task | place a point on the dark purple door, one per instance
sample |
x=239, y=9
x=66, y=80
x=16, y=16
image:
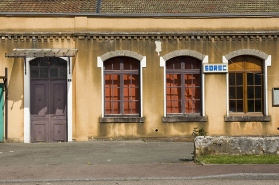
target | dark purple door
x=48, y=100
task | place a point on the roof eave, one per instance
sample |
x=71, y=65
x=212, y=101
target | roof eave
x=209, y=15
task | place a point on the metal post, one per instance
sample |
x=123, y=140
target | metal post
x=6, y=103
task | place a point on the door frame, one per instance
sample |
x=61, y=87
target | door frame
x=27, y=100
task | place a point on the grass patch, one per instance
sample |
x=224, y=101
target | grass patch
x=240, y=159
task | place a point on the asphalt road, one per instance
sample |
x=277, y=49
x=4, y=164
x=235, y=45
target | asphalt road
x=160, y=182
x=118, y=162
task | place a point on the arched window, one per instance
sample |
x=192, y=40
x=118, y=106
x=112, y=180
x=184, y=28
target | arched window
x=246, y=85
x=122, y=87
x=183, y=86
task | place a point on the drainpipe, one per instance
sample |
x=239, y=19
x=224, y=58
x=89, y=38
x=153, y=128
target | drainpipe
x=6, y=103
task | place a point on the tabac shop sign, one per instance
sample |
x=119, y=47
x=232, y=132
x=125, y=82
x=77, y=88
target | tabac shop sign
x=215, y=68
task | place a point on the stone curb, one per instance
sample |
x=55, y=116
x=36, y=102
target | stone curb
x=237, y=176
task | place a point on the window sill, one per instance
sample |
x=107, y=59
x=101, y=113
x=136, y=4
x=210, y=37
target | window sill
x=122, y=120
x=247, y=118
x=188, y=118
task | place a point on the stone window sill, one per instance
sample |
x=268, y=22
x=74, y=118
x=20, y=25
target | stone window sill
x=247, y=118
x=188, y=118
x=122, y=120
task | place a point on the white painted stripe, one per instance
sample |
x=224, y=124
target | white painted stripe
x=27, y=118
x=225, y=61
x=163, y=64
x=266, y=63
x=70, y=100
x=100, y=64
x=142, y=64
x=205, y=61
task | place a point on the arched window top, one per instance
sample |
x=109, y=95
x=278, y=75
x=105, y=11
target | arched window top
x=246, y=63
x=119, y=53
x=48, y=67
x=189, y=53
x=183, y=63
x=121, y=64
x=252, y=52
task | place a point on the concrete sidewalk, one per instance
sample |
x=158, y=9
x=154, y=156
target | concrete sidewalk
x=115, y=160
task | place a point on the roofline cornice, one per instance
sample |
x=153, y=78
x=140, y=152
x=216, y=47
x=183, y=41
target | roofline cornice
x=141, y=36
x=104, y=15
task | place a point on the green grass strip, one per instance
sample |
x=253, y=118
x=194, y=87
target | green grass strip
x=241, y=159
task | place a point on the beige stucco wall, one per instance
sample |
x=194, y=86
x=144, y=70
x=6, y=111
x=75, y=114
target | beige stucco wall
x=87, y=102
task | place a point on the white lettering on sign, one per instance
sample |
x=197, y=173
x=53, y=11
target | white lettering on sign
x=215, y=68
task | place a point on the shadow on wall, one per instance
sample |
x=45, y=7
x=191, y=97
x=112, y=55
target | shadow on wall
x=16, y=83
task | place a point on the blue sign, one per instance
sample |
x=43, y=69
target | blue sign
x=215, y=68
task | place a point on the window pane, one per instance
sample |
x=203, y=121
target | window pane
x=169, y=79
x=258, y=79
x=188, y=63
x=258, y=106
x=127, y=80
x=250, y=92
x=169, y=107
x=196, y=63
x=108, y=81
x=116, y=93
x=168, y=93
x=135, y=80
x=239, y=105
x=177, y=108
x=188, y=93
x=188, y=80
x=177, y=63
x=34, y=62
x=258, y=92
x=62, y=63
x=43, y=61
x=250, y=79
x=169, y=64
x=232, y=106
x=196, y=93
x=54, y=61
x=134, y=64
x=135, y=94
x=116, y=64
x=116, y=107
x=127, y=94
x=239, y=78
x=232, y=78
x=196, y=80
x=177, y=80
x=177, y=93
x=126, y=63
x=127, y=107
x=188, y=106
x=135, y=107
x=108, y=108
x=239, y=91
x=116, y=80
x=232, y=92
x=34, y=73
x=250, y=105
x=43, y=72
x=108, y=65
x=54, y=72
x=63, y=73
x=108, y=93
x=196, y=106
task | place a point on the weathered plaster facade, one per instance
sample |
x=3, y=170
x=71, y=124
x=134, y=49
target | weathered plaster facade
x=135, y=37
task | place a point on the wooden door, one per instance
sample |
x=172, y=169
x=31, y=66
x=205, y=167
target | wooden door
x=48, y=100
x=58, y=110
